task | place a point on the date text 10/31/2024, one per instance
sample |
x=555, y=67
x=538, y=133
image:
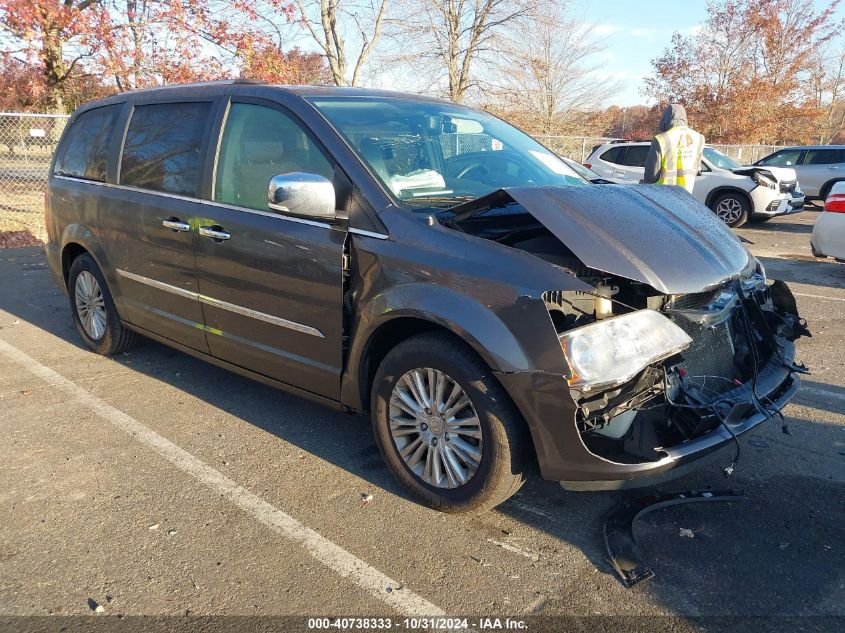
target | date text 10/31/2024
x=417, y=624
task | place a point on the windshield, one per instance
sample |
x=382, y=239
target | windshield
x=439, y=154
x=718, y=159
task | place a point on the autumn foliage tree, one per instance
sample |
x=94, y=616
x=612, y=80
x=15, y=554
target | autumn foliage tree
x=81, y=47
x=295, y=67
x=743, y=77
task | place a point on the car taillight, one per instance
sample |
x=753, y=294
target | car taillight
x=835, y=203
x=587, y=165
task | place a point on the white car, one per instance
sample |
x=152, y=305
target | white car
x=828, y=239
x=734, y=192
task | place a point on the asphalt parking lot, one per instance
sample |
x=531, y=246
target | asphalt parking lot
x=155, y=484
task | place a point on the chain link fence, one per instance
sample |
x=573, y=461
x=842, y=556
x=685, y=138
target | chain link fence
x=27, y=142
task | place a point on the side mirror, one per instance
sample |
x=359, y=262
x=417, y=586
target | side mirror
x=305, y=195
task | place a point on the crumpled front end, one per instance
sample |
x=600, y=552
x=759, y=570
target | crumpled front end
x=736, y=370
x=663, y=369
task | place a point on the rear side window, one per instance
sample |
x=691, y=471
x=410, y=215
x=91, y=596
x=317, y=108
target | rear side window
x=823, y=156
x=613, y=154
x=85, y=150
x=635, y=156
x=783, y=158
x=162, y=147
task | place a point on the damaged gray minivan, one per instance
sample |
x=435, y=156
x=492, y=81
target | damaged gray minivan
x=428, y=264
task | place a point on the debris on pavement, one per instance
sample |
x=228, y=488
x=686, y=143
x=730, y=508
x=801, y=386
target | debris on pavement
x=366, y=497
x=619, y=529
x=686, y=532
x=95, y=606
x=154, y=526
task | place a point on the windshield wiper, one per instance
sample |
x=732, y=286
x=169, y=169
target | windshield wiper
x=449, y=200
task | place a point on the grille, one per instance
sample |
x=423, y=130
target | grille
x=788, y=186
x=773, y=205
x=711, y=352
x=694, y=301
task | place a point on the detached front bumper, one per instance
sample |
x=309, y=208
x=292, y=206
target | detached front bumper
x=549, y=410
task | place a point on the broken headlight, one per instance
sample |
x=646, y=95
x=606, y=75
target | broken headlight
x=611, y=351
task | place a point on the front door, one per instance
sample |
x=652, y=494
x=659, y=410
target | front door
x=271, y=285
x=144, y=220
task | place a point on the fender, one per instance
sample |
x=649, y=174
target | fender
x=513, y=339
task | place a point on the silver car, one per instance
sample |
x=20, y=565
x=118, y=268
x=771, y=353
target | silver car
x=818, y=166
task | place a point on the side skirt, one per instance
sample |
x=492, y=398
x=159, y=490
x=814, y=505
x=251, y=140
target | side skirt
x=246, y=373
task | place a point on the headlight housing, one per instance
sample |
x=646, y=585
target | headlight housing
x=765, y=181
x=611, y=351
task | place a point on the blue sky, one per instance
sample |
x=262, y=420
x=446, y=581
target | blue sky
x=637, y=31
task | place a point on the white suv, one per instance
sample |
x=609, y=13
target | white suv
x=734, y=192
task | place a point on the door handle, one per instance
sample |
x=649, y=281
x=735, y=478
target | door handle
x=175, y=224
x=214, y=232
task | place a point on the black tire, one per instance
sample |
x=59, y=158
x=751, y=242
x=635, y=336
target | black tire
x=115, y=337
x=732, y=208
x=826, y=190
x=506, y=450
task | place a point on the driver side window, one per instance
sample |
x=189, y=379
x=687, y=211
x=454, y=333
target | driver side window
x=258, y=143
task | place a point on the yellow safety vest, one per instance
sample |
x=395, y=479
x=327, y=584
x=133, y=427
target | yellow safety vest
x=680, y=147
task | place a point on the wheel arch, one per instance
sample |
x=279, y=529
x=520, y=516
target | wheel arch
x=825, y=188
x=718, y=191
x=417, y=308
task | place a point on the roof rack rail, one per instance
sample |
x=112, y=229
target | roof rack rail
x=245, y=80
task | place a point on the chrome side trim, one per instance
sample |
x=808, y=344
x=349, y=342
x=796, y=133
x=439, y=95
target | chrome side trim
x=261, y=316
x=160, y=285
x=378, y=236
x=109, y=185
x=224, y=305
x=233, y=207
x=211, y=203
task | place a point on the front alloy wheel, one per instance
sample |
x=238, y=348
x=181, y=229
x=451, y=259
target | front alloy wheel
x=446, y=427
x=731, y=209
x=435, y=428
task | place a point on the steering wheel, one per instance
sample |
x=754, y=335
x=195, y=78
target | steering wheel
x=476, y=165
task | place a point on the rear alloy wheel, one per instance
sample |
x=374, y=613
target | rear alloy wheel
x=731, y=208
x=445, y=426
x=94, y=312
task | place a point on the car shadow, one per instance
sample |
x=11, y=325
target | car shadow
x=805, y=269
x=767, y=555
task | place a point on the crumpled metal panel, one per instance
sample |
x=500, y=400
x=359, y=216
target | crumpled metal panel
x=654, y=234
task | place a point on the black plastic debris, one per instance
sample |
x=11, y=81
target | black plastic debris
x=619, y=528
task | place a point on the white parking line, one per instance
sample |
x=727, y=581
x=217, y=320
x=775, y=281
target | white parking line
x=325, y=551
x=804, y=294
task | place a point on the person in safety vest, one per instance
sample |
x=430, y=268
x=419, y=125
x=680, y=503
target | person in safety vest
x=674, y=157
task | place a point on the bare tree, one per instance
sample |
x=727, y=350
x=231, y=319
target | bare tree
x=827, y=83
x=327, y=21
x=550, y=74
x=457, y=40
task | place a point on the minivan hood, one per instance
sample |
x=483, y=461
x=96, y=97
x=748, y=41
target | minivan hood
x=653, y=234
